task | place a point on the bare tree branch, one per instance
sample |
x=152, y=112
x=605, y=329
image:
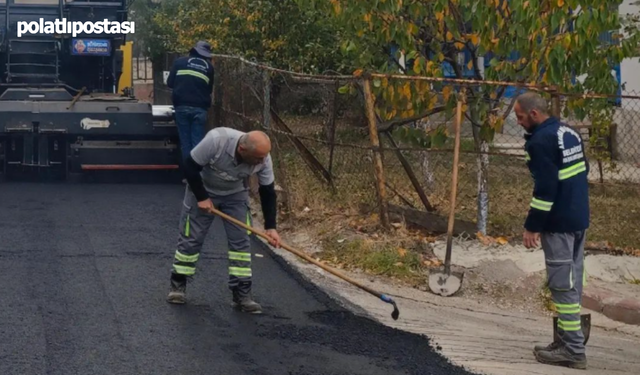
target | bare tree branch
x=389, y=126
x=510, y=108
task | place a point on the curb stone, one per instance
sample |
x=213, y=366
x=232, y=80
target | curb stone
x=613, y=305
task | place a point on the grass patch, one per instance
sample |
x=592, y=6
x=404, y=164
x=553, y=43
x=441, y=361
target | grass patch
x=546, y=298
x=381, y=259
x=510, y=186
x=633, y=280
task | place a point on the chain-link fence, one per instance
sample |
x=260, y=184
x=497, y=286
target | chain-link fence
x=325, y=154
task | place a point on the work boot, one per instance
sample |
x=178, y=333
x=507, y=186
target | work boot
x=242, y=299
x=177, y=294
x=553, y=346
x=557, y=341
x=561, y=356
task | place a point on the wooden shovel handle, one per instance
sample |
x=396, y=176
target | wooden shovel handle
x=454, y=181
x=300, y=254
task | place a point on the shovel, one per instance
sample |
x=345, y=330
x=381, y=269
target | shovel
x=446, y=283
x=384, y=297
x=585, y=324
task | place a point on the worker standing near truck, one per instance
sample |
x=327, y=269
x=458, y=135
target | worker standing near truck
x=217, y=171
x=191, y=78
x=558, y=217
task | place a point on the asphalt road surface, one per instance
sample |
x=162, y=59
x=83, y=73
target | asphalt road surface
x=84, y=273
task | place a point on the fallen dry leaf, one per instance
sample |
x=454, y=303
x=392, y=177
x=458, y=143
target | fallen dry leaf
x=432, y=262
x=485, y=240
x=402, y=252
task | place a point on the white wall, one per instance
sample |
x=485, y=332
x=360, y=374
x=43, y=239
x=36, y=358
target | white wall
x=630, y=73
x=627, y=7
x=630, y=68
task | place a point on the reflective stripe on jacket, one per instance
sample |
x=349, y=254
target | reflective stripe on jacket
x=556, y=158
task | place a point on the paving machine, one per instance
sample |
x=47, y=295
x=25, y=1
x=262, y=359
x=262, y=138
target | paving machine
x=66, y=101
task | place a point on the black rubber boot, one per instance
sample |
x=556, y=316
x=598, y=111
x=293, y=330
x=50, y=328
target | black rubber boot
x=177, y=294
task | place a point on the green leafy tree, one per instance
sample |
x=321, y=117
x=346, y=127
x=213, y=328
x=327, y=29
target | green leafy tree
x=149, y=39
x=555, y=41
x=279, y=33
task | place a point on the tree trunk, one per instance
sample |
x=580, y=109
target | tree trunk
x=483, y=175
x=425, y=162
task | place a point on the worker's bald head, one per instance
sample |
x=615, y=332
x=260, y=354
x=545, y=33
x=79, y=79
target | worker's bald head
x=254, y=147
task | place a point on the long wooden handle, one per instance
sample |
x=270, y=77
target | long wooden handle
x=454, y=183
x=299, y=253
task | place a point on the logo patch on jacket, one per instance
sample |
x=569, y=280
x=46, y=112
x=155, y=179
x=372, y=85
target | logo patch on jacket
x=570, y=143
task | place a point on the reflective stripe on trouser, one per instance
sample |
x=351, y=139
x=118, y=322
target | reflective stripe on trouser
x=194, y=226
x=564, y=256
x=239, y=245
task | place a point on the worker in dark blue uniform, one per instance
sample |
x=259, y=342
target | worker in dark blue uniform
x=191, y=79
x=558, y=218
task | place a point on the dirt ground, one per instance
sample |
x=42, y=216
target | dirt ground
x=490, y=327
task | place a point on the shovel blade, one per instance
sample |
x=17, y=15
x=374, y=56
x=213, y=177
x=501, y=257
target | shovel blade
x=585, y=324
x=445, y=284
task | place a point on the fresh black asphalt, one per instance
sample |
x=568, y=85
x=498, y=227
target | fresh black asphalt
x=84, y=273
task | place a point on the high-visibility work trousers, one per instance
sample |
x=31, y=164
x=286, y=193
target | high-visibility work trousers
x=564, y=257
x=194, y=226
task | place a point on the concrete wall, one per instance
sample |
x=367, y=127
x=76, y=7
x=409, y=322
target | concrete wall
x=143, y=91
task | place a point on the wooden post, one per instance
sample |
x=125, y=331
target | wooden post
x=375, y=142
x=266, y=100
x=555, y=103
x=454, y=180
x=331, y=126
x=410, y=174
x=266, y=122
x=217, y=93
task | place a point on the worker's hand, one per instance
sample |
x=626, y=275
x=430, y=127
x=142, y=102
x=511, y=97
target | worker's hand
x=530, y=239
x=206, y=205
x=274, y=236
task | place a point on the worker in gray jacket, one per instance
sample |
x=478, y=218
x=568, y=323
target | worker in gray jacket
x=217, y=172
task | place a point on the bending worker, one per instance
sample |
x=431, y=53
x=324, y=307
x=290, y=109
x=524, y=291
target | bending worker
x=217, y=172
x=559, y=218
